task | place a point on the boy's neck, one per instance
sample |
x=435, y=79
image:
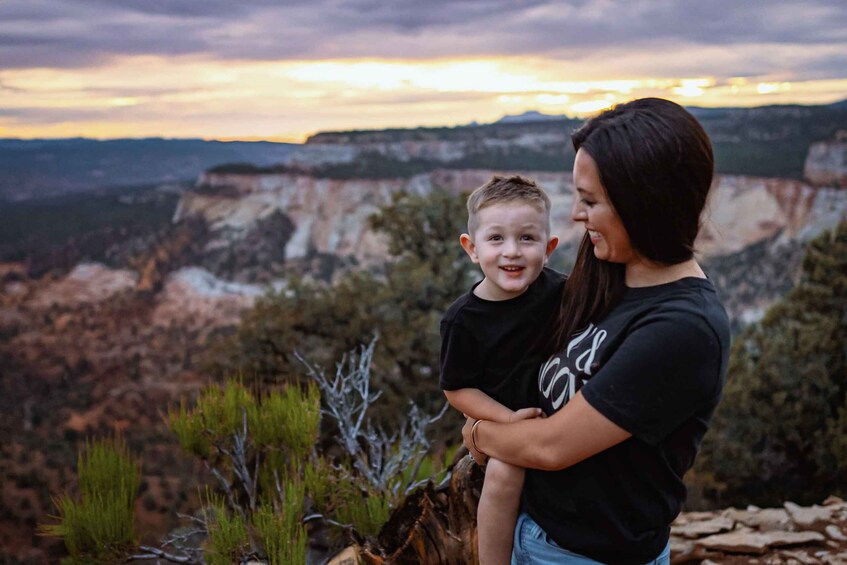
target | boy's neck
x=488, y=291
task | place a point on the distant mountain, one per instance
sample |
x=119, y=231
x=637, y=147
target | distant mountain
x=49, y=167
x=766, y=141
x=530, y=116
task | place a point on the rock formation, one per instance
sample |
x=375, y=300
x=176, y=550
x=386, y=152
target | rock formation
x=330, y=215
x=826, y=164
x=434, y=145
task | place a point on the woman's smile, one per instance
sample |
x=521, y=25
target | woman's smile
x=593, y=207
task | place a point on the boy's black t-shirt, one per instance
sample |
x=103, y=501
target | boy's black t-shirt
x=655, y=366
x=498, y=346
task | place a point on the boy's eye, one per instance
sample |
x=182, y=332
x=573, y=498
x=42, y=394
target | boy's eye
x=528, y=237
x=494, y=237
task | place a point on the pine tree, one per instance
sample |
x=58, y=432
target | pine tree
x=779, y=433
x=403, y=304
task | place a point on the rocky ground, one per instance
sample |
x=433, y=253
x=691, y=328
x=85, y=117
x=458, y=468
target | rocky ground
x=791, y=535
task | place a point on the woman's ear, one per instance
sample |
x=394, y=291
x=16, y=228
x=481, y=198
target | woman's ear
x=469, y=247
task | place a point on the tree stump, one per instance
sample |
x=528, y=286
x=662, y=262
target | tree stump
x=432, y=526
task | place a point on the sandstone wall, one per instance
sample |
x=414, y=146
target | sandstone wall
x=330, y=215
x=826, y=163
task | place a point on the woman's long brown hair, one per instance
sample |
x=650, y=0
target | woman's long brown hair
x=656, y=164
x=591, y=290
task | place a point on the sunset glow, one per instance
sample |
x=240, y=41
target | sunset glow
x=241, y=78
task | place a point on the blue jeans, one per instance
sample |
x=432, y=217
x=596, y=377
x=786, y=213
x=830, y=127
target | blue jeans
x=534, y=547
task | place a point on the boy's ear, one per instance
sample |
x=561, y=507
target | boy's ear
x=552, y=244
x=469, y=247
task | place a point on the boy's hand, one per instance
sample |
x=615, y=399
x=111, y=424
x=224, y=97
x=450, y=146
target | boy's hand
x=525, y=414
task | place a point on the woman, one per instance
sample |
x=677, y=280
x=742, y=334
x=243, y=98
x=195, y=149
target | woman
x=641, y=350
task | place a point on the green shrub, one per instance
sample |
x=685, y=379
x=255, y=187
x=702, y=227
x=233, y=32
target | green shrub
x=365, y=510
x=318, y=477
x=263, y=450
x=432, y=467
x=427, y=271
x=228, y=539
x=779, y=431
x=281, y=531
x=289, y=419
x=97, y=526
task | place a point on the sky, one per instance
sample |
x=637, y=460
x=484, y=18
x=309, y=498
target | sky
x=285, y=69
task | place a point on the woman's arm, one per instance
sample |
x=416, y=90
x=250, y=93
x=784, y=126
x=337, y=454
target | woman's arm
x=574, y=433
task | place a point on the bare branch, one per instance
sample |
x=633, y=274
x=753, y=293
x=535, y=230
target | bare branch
x=379, y=457
x=192, y=518
x=155, y=553
x=348, y=395
x=183, y=537
x=226, y=488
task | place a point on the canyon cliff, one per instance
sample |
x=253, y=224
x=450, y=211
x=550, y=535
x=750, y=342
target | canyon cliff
x=766, y=220
x=826, y=164
x=99, y=348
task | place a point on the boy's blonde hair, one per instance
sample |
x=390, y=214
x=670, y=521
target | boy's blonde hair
x=500, y=190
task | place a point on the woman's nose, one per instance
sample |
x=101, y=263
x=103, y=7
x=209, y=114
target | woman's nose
x=578, y=213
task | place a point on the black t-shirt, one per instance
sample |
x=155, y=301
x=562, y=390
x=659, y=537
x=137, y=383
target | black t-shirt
x=655, y=366
x=498, y=345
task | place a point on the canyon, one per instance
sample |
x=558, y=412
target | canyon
x=99, y=348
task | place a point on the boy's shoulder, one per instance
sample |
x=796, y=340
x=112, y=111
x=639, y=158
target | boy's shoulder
x=455, y=309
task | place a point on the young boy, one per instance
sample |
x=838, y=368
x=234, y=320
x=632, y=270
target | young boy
x=492, y=337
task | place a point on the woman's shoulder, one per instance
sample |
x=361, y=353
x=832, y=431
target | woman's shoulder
x=684, y=302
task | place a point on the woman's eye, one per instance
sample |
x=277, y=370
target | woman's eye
x=588, y=203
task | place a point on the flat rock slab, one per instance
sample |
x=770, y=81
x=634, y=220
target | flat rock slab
x=808, y=515
x=757, y=542
x=835, y=532
x=762, y=519
x=694, y=530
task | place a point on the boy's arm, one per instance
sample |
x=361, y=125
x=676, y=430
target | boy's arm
x=478, y=405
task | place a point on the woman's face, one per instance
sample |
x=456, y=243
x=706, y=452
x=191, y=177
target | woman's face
x=593, y=207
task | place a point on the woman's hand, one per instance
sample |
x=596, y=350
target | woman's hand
x=574, y=433
x=467, y=430
x=479, y=457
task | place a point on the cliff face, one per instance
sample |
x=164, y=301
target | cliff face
x=330, y=215
x=436, y=146
x=826, y=164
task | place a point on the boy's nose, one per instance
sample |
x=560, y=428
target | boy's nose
x=511, y=249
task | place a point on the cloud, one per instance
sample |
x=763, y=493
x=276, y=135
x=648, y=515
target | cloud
x=287, y=68
x=78, y=33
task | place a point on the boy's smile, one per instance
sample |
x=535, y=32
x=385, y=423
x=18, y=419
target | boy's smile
x=511, y=245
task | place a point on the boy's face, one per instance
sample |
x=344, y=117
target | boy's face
x=511, y=245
